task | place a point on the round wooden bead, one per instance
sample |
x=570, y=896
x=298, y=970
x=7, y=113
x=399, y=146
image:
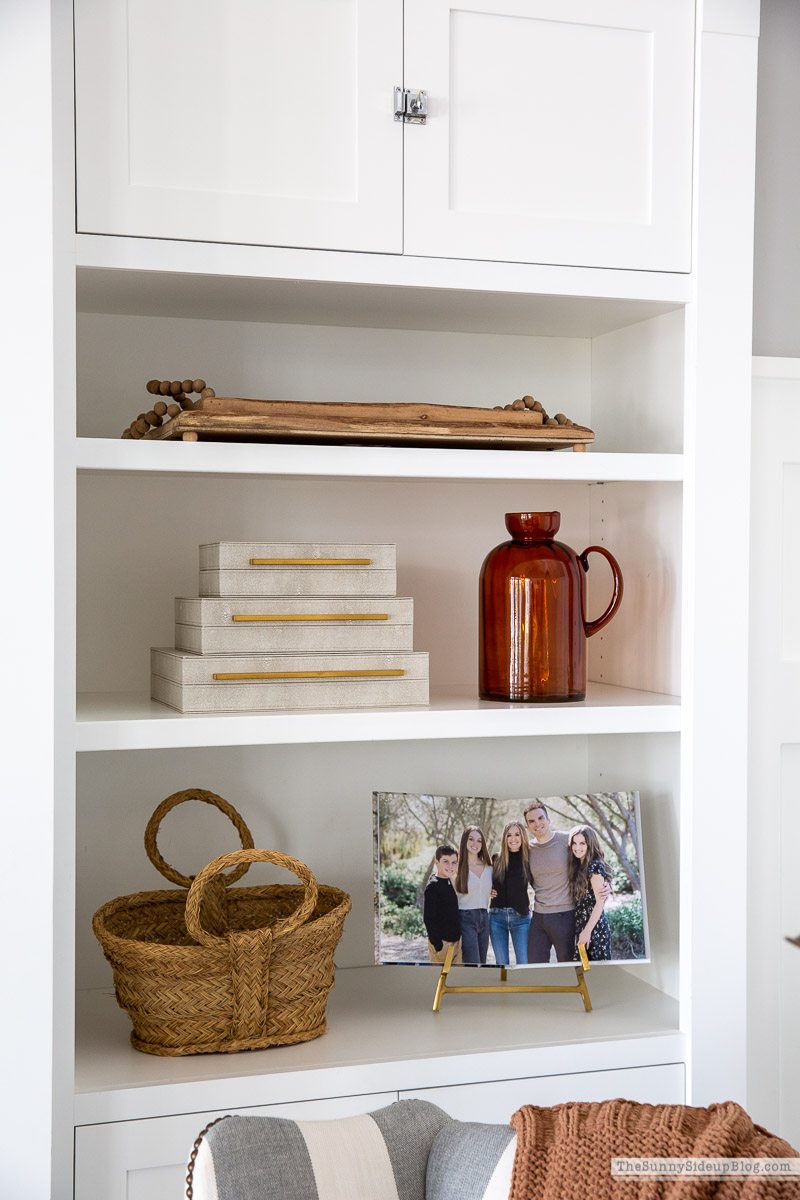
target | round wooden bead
x=197, y=385
x=154, y=387
x=141, y=425
x=551, y=421
x=152, y=418
x=562, y=420
x=179, y=398
x=164, y=387
x=186, y=402
x=159, y=408
x=518, y=405
x=134, y=433
x=175, y=387
x=174, y=409
x=497, y=408
x=537, y=407
x=528, y=401
x=127, y=434
x=187, y=385
x=207, y=394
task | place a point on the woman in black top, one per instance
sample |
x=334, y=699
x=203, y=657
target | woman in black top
x=510, y=910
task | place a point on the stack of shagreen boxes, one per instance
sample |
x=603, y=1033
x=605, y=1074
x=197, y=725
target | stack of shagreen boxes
x=292, y=625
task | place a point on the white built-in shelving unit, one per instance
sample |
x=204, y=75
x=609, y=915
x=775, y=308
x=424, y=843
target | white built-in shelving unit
x=304, y=779
x=656, y=362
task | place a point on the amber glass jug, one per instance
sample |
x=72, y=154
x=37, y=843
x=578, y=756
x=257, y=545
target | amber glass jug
x=533, y=626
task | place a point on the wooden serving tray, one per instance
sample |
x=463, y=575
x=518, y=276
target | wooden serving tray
x=224, y=418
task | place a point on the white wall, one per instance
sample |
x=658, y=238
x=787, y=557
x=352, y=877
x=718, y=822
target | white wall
x=776, y=280
x=118, y=354
x=773, y=1024
x=774, y=768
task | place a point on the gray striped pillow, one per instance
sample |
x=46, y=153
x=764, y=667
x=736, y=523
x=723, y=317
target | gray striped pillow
x=469, y=1161
x=380, y=1156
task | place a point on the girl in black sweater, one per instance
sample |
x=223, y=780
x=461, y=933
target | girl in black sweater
x=510, y=910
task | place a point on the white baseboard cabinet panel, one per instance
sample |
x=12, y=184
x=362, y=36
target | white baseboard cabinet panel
x=494, y=1103
x=147, y=1160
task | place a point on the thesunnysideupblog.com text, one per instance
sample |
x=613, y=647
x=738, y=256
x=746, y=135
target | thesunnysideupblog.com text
x=655, y=1168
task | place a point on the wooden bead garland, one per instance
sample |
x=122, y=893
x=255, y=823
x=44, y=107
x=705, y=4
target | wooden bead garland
x=536, y=410
x=176, y=395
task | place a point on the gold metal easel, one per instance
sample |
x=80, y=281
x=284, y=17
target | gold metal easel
x=580, y=988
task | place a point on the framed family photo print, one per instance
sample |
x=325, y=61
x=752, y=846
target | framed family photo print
x=513, y=883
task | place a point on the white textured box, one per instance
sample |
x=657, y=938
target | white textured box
x=292, y=624
x=194, y=683
x=298, y=582
x=238, y=555
x=297, y=569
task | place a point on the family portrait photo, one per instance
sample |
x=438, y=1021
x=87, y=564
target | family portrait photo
x=509, y=882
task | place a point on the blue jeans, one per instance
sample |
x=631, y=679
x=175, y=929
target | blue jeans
x=505, y=923
x=474, y=925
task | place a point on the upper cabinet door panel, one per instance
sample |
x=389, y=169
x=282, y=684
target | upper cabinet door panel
x=254, y=121
x=558, y=131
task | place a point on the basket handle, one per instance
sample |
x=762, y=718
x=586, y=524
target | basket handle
x=151, y=833
x=280, y=929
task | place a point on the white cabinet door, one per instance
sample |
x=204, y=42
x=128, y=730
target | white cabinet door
x=558, y=131
x=147, y=1160
x=495, y=1103
x=254, y=121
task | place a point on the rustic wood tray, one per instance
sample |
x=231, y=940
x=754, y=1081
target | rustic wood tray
x=225, y=418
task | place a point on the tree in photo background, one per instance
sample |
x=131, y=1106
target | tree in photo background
x=415, y=823
x=613, y=815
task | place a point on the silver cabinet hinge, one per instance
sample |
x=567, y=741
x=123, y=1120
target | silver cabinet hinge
x=410, y=106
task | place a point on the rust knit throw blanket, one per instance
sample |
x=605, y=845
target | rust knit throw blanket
x=565, y=1152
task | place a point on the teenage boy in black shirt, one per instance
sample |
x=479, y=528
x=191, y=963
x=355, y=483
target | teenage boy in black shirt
x=440, y=911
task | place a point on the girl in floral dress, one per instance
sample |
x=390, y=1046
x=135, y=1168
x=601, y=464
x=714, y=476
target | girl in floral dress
x=588, y=871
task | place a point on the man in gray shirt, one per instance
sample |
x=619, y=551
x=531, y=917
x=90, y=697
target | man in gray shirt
x=553, y=919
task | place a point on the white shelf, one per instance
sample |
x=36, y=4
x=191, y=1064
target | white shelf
x=384, y=1036
x=131, y=721
x=369, y=462
x=152, y=277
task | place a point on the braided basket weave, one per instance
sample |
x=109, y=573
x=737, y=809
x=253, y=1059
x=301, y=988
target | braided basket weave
x=222, y=968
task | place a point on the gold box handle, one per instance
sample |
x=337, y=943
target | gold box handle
x=306, y=674
x=312, y=617
x=310, y=562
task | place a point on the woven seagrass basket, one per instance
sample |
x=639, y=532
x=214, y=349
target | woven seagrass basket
x=222, y=968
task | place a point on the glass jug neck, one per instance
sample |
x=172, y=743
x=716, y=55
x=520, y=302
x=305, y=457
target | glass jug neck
x=533, y=526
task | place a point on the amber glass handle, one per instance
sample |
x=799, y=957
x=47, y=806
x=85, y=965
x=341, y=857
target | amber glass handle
x=591, y=627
